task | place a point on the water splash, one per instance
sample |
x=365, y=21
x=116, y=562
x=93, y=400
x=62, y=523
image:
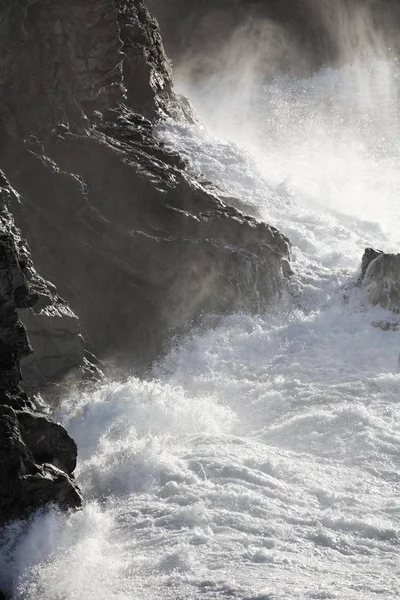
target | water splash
x=262, y=458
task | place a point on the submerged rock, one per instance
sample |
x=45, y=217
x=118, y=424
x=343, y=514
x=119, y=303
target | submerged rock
x=380, y=277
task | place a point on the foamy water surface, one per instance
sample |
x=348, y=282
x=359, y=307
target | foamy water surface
x=261, y=461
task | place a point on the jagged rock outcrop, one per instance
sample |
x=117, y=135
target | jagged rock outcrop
x=134, y=243
x=380, y=277
x=54, y=333
x=29, y=482
x=146, y=69
x=53, y=328
x=63, y=61
x=37, y=456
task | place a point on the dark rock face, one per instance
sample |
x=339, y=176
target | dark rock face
x=75, y=71
x=136, y=246
x=37, y=457
x=146, y=70
x=47, y=441
x=62, y=61
x=27, y=481
x=369, y=255
x=380, y=277
x=53, y=328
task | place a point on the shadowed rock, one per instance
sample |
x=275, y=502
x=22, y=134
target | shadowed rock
x=54, y=330
x=37, y=457
x=48, y=441
x=25, y=484
x=297, y=35
x=380, y=277
x=135, y=244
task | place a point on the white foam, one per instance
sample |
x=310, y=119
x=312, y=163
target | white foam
x=262, y=459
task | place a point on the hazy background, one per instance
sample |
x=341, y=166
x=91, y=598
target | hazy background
x=281, y=35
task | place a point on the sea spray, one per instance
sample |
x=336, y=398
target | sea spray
x=261, y=458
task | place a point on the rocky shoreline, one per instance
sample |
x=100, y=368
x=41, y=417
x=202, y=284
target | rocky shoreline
x=108, y=244
x=134, y=246
x=37, y=456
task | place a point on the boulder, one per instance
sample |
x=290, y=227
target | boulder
x=47, y=441
x=380, y=277
x=27, y=484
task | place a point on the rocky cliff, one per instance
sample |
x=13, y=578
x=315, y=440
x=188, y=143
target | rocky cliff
x=136, y=246
x=37, y=456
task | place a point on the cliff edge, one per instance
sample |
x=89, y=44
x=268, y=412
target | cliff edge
x=131, y=240
x=134, y=246
x=37, y=456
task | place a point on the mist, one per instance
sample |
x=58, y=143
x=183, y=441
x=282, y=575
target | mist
x=227, y=81
x=258, y=457
x=259, y=49
x=327, y=134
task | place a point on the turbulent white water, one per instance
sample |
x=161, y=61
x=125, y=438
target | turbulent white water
x=262, y=460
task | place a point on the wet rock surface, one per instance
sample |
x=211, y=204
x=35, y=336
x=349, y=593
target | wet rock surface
x=380, y=277
x=53, y=329
x=135, y=248
x=27, y=483
x=146, y=70
x=37, y=457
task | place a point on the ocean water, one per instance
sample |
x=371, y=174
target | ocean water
x=261, y=460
